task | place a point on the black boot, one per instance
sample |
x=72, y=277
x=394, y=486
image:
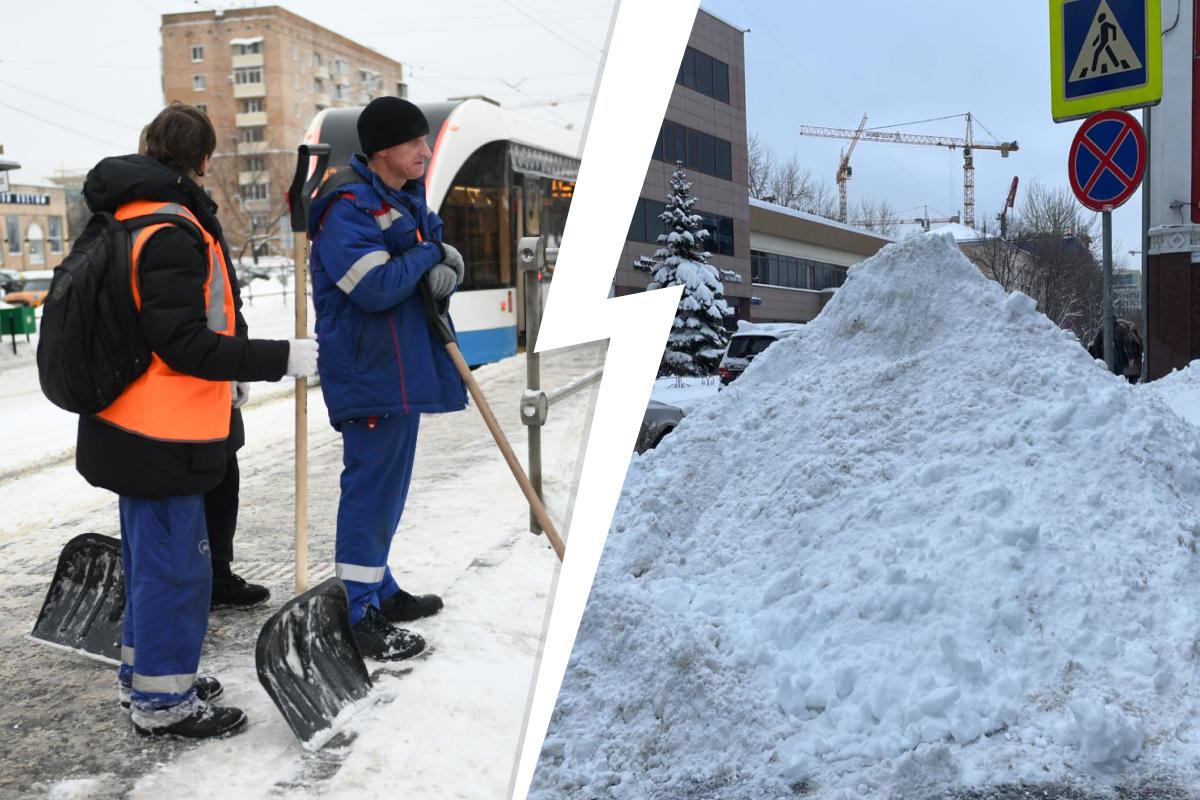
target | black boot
x=382, y=641
x=232, y=591
x=206, y=722
x=404, y=607
x=207, y=690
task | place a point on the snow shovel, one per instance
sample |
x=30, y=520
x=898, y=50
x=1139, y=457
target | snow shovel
x=308, y=660
x=439, y=317
x=86, y=600
x=306, y=657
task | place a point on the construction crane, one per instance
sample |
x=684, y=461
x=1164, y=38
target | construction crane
x=967, y=143
x=924, y=221
x=844, y=172
x=1009, y=202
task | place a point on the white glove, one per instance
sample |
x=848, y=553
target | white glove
x=454, y=259
x=302, y=358
x=442, y=280
x=241, y=393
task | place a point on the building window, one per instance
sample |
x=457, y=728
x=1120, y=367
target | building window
x=253, y=134
x=247, y=48
x=55, y=236
x=37, y=244
x=792, y=272
x=646, y=226
x=340, y=67
x=705, y=74
x=243, y=75
x=252, y=106
x=255, y=164
x=401, y=89
x=697, y=150
x=254, y=191
x=203, y=107
x=316, y=59
x=12, y=232
x=197, y=54
x=198, y=83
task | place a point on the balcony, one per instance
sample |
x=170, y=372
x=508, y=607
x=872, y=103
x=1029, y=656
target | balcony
x=321, y=72
x=248, y=60
x=241, y=90
x=251, y=148
x=251, y=119
x=252, y=176
x=323, y=100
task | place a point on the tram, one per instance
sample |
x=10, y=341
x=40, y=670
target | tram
x=495, y=176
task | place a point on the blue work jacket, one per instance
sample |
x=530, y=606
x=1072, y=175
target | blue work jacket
x=378, y=353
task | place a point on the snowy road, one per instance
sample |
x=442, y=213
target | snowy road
x=448, y=728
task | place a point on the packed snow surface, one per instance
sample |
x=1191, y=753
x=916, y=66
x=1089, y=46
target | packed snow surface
x=926, y=542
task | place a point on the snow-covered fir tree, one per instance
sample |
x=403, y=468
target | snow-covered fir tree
x=698, y=337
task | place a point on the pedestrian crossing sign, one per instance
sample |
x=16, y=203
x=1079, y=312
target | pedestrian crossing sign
x=1104, y=54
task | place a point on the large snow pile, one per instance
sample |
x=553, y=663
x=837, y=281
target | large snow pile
x=926, y=542
x=1181, y=391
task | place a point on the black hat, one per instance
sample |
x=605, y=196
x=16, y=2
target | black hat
x=389, y=121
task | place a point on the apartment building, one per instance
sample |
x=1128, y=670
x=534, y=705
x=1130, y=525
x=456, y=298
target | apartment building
x=262, y=74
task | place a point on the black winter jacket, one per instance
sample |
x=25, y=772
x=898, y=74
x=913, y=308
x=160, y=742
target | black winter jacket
x=171, y=273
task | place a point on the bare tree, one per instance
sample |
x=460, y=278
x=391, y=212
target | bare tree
x=250, y=191
x=876, y=215
x=760, y=161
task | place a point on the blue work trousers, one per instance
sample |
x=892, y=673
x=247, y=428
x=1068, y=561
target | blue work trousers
x=168, y=588
x=377, y=454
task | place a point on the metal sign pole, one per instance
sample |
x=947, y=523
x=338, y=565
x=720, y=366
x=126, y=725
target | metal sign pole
x=1109, y=349
x=1145, y=376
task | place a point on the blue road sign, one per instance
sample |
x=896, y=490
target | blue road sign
x=1107, y=159
x=1103, y=54
x=1105, y=44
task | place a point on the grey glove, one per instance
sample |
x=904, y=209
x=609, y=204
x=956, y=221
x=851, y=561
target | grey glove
x=302, y=358
x=442, y=280
x=241, y=393
x=454, y=259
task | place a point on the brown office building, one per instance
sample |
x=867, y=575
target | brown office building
x=262, y=74
x=704, y=127
x=780, y=265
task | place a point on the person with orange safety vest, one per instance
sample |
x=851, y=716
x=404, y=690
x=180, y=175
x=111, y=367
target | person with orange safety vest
x=162, y=443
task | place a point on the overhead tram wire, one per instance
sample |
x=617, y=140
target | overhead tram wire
x=821, y=88
x=61, y=104
x=550, y=30
x=563, y=28
x=87, y=136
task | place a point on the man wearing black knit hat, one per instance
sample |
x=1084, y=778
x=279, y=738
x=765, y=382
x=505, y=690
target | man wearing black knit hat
x=374, y=241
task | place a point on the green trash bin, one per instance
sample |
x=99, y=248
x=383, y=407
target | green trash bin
x=15, y=320
x=18, y=319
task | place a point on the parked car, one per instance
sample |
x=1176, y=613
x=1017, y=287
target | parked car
x=751, y=339
x=30, y=288
x=659, y=420
x=9, y=279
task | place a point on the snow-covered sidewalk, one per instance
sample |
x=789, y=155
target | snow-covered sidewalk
x=447, y=727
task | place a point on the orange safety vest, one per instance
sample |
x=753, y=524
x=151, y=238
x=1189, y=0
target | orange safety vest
x=162, y=403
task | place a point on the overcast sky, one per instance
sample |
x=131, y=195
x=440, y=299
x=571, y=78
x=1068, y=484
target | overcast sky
x=79, y=80
x=822, y=63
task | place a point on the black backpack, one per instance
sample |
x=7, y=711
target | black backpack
x=90, y=345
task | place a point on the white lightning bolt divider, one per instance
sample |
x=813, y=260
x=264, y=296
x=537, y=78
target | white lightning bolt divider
x=645, y=48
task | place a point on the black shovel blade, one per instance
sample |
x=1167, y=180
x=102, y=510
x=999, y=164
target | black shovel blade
x=86, y=600
x=308, y=660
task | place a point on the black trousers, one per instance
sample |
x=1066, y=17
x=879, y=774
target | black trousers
x=221, y=511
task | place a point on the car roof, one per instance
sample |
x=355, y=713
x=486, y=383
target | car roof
x=774, y=330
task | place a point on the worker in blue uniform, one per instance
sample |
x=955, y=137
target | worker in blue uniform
x=381, y=366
